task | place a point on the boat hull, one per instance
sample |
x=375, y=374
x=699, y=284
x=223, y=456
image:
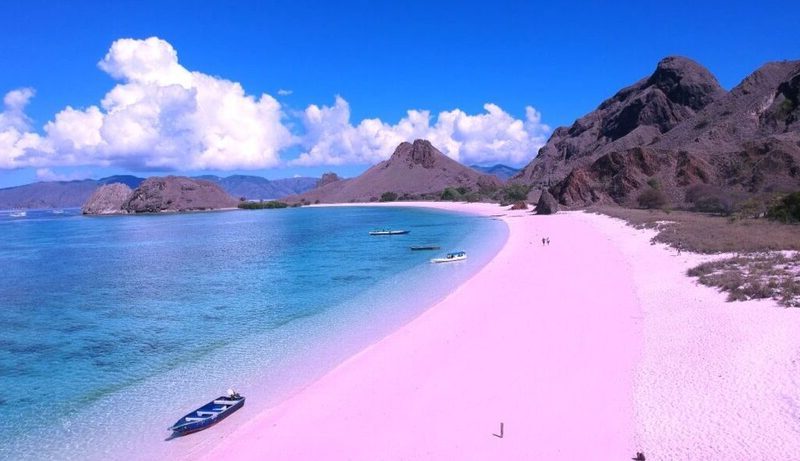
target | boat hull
x=206, y=416
x=392, y=232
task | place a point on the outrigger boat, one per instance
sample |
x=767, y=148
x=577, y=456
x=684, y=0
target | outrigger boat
x=424, y=247
x=388, y=232
x=451, y=257
x=209, y=414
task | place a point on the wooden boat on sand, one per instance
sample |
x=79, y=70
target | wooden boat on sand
x=209, y=414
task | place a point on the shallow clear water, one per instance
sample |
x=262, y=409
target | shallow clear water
x=113, y=327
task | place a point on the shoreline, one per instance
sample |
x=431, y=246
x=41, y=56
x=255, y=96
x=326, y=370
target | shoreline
x=595, y=347
x=440, y=386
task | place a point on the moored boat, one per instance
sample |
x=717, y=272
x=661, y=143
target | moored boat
x=424, y=247
x=18, y=214
x=209, y=414
x=388, y=232
x=451, y=257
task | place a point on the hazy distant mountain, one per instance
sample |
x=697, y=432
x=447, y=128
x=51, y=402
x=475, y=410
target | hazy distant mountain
x=57, y=194
x=130, y=181
x=680, y=131
x=257, y=188
x=412, y=170
x=67, y=194
x=501, y=171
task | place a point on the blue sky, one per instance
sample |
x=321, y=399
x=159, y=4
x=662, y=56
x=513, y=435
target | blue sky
x=382, y=60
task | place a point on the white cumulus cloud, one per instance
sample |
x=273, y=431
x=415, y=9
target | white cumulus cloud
x=161, y=115
x=493, y=136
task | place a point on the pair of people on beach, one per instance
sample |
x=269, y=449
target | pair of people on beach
x=545, y=241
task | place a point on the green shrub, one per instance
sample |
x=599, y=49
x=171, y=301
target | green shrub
x=388, y=197
x=515, y=193
x=450, y=194
x=787, y=210
x=652, y=198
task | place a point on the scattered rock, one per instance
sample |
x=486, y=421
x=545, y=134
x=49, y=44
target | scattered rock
x=521, y=205
x=547, y=203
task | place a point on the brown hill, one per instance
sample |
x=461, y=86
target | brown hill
x=741, y=143
x=636, y=116
x=413, y=170
x=157, y=194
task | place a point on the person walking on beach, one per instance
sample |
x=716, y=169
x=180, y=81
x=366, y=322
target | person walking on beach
x=548, y=241
x=543, y=240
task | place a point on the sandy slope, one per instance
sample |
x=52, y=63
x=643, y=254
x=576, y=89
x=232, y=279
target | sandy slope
x=591, y=348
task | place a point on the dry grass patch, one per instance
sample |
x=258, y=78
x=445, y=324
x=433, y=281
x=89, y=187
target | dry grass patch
x=756, y=276
x=704, y=233
x=760, y=272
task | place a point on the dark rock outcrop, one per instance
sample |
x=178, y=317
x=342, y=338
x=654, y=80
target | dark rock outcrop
x=547, y=204
x=107, y=199
x=413, y=170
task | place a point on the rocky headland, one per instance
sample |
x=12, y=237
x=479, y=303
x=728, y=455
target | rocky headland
x=159, y=194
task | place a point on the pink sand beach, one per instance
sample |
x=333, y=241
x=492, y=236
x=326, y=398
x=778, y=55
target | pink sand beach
x=595, y=346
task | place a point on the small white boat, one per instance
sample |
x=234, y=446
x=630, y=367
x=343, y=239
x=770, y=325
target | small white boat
x=18, y=214
x=57, y=211
x=451, y=257
x=388, y=232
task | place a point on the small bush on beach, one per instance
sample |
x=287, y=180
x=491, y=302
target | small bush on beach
x=758, y=276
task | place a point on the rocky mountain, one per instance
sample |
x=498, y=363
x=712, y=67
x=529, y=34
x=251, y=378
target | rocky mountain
x=502, y=172
x=159, y=194
x=413, y=170
x=676, y=131
x=107, y=199
x=258, y=188
x=636, y=116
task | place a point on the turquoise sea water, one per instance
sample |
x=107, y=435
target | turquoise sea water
x=113, y=327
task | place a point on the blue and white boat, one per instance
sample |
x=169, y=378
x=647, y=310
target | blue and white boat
x=451, y=257
x=209, y=414
x=18, y=214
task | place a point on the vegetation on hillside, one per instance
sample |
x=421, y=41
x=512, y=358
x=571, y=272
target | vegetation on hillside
x=262, y=205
